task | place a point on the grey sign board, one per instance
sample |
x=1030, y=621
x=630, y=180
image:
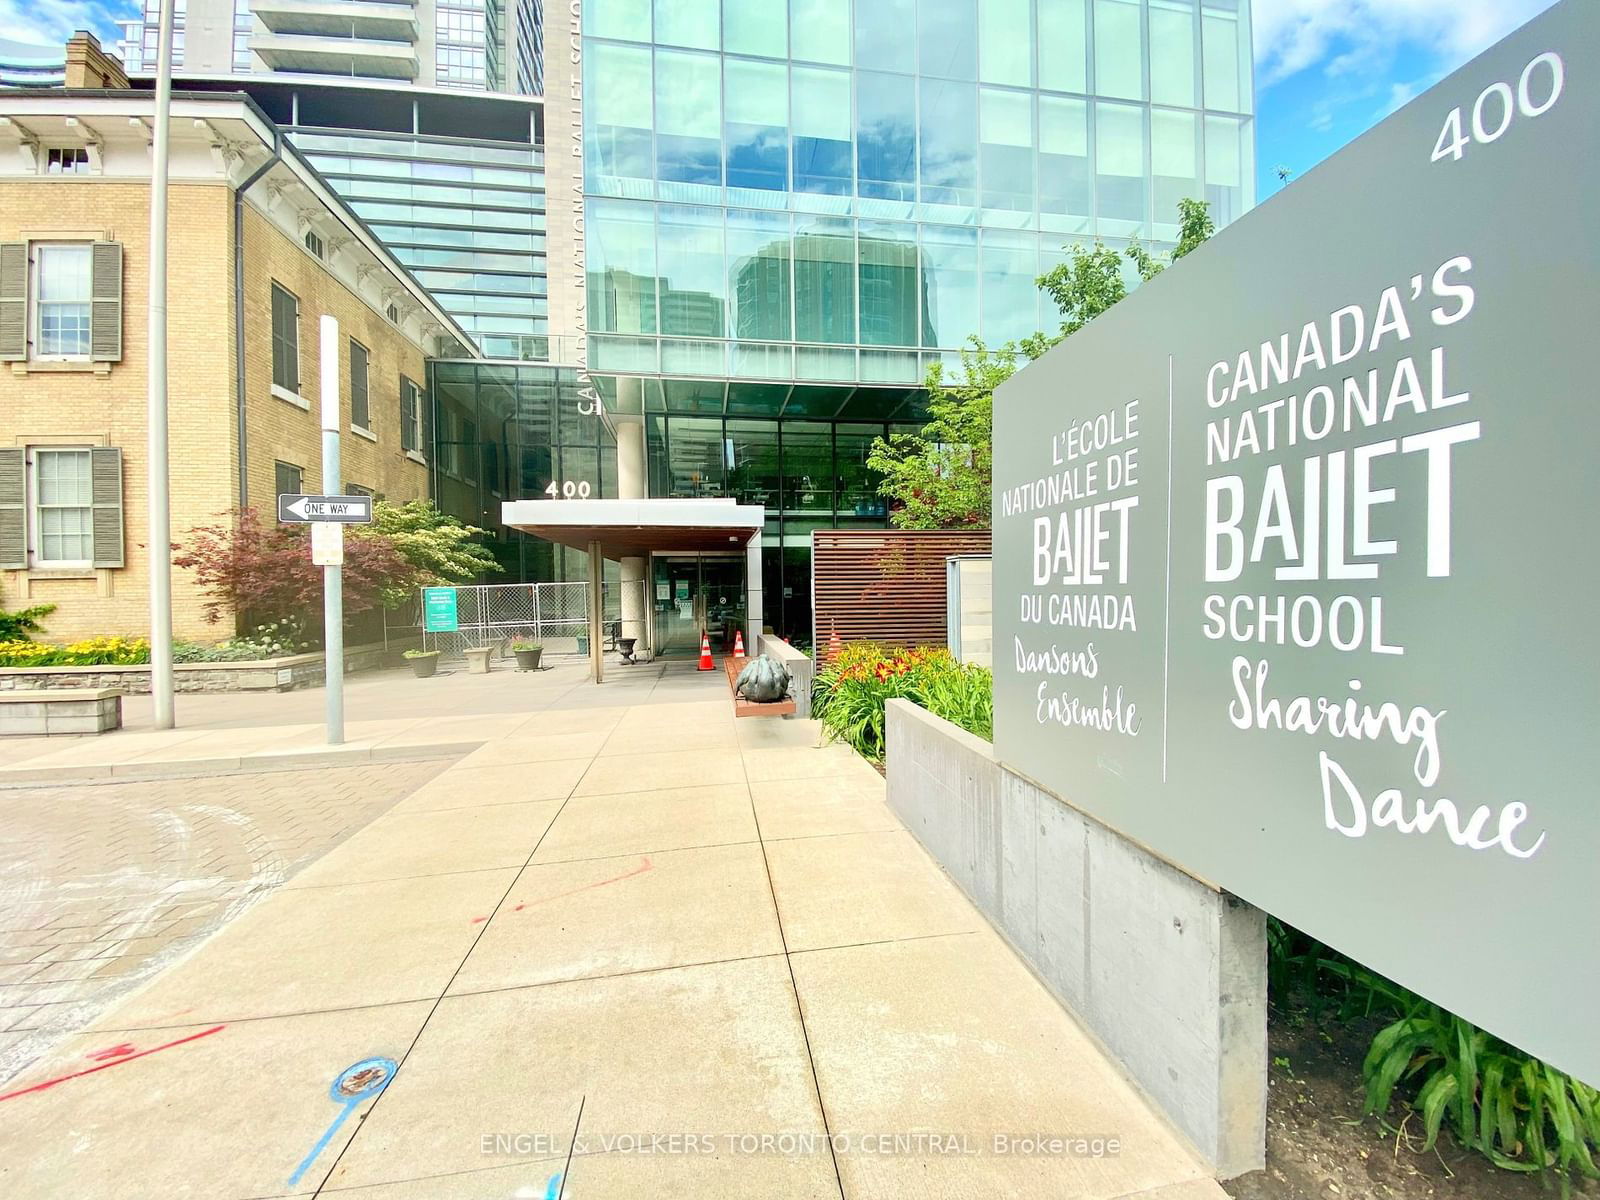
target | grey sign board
x=343, y=510
x=1295, y=581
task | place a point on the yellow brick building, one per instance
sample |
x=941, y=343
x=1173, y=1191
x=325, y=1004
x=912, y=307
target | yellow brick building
x=74, y=274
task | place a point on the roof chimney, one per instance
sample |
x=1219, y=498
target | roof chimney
x=88, y=66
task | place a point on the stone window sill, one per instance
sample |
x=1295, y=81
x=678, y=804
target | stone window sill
x=288, y=397
x=416, y=458
x=72, y=367
x=363, y=433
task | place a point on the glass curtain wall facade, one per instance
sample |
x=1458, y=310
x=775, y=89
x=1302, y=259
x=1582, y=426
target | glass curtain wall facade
x=467, y=218
x=843, y=192
x=507, y=431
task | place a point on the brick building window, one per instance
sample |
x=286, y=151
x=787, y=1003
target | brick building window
x=60, y=507
x=314, y=242
x=414, y=423
x=288, y=479
x=285, y=341
x=61, y=300
x=66, y=160
x=360, y=398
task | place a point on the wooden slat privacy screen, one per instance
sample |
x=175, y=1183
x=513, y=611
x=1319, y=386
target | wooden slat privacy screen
x=884, y=585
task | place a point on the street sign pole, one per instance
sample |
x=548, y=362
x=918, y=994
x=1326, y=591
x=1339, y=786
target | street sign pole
x=332, y=575
x=159, y=506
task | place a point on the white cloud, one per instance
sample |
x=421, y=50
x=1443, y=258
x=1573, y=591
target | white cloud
x=1363, y=35
x=52, y=22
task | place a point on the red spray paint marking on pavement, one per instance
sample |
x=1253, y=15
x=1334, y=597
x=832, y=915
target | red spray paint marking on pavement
x=643, y=866
x=639, y=870
x=115, y=1062
x=122, y=1051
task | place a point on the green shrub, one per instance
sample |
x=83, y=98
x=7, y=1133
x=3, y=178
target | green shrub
x=1519, y=1112
x=850, y=695
x=18, y=626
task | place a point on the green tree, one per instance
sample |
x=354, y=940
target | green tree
x=940, y=477
x=439, y=548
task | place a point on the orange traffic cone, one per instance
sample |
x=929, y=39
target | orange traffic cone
x=705, y=653
x=738, y=643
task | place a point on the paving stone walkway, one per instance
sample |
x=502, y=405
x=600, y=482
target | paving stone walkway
x=619, y=950
x=101, y=885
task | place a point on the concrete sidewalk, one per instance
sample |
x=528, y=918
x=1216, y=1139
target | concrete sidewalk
x=617, y=951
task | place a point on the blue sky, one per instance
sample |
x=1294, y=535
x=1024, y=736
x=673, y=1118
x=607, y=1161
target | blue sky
x=1326, y=70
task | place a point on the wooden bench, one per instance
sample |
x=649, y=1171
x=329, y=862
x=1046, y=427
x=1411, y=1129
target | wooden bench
x=36, y=711
x=752, y=708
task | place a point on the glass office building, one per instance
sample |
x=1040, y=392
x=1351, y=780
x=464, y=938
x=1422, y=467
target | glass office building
x=792, y=208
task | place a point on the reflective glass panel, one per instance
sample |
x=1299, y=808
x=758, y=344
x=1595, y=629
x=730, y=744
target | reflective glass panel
x=689, y=259
x=752, y=453
x=950, y=285
x=756, y=27
x=856, y=489
x=1005, y=41
x=1064, y=186
x=883, y=41
x=758, y=267
x=626, y=19
x=688, y=23
x=620, y=252
x=1119, y=167
x=886, y=135
x=695, y=457
x=1228, y=167
x=821, y=123
x=1010, y=296
x=824, y=281
x=1005, y=135
x=1172, y=52
x=947, y=38
x=1223, y=67
x=688, y=117
x=949, y=130
x=617, y=115
x=757, y=124
x=1063, y=46
x=1118, y=49
x=807, y=469
x=1174, y=165
x=819, y=31
x=889, y=281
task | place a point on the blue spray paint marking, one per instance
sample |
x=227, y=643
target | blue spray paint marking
x=356, y=1083
x=553, y=1188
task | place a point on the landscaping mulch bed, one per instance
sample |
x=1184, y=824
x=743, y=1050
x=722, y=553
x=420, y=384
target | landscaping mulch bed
x=1321, y=1147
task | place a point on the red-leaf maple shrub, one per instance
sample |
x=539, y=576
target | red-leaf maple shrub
x=263, y=570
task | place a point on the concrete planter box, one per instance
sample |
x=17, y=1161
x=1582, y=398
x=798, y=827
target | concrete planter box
x=265, y=675
x=33, y=712
x=799, y=665
x=1168, y=973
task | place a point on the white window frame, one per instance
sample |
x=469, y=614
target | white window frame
x=87, y=162
x=366, y=430
x=278, y=390
x=36, y=558
x=36, y=306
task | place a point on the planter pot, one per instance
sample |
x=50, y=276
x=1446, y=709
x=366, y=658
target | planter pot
x=478, y=660
x=528, y=660
x=424, y=666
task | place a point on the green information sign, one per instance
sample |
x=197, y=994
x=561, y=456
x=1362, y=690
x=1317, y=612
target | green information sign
x=439, y=610
x=1294, y=571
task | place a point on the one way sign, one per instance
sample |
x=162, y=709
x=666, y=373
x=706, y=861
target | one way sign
x=342, y=510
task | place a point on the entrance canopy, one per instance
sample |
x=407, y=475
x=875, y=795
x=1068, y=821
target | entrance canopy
x=635, y=528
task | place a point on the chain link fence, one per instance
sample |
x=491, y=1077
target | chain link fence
x=553, y=615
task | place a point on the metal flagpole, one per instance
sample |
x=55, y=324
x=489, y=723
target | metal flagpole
x=160, y=500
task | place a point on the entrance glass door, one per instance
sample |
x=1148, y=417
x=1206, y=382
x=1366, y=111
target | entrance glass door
x=694, y=594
